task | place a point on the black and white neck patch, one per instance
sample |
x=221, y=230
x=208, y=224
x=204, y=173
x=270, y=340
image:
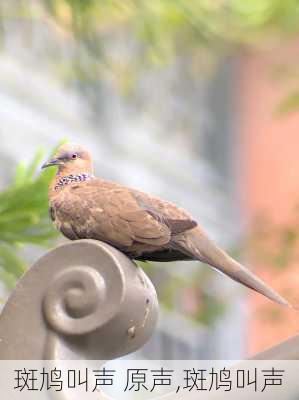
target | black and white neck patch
x=66, y=180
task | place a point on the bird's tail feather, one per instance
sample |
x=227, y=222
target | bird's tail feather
x=247, y=278
x=205, y=250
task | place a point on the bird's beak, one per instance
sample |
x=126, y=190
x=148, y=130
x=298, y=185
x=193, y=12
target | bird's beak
x=51, y=163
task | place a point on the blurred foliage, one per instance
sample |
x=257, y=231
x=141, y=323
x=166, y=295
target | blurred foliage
x=289, y=104
x=191, y=294
x=157, y=30
x=24, y=218
x=273, y=244
x=119, y=39
x=171, y=25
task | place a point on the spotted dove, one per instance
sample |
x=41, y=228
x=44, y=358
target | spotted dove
x=143, y=227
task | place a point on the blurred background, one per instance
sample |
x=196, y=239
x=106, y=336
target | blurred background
x=194, y=101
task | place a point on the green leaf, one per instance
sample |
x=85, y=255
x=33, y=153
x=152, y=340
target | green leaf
x=289, y=104
x=10, y=262
x=24, y=217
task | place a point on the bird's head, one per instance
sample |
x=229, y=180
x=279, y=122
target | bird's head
x=70, y=159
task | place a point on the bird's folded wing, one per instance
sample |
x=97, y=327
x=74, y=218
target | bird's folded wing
x=121, y=216
x=177, y=219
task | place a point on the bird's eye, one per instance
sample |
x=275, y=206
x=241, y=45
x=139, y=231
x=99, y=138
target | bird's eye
x=74, y=156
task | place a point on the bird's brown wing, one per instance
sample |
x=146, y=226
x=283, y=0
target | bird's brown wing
x=177, y=219
x=128, y=219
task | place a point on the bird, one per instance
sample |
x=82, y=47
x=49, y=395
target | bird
x=143, y=227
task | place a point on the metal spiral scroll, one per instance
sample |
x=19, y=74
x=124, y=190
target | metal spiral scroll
x=82, y=298
x=98, y=304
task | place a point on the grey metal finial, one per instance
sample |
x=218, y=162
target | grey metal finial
x=83, y=299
